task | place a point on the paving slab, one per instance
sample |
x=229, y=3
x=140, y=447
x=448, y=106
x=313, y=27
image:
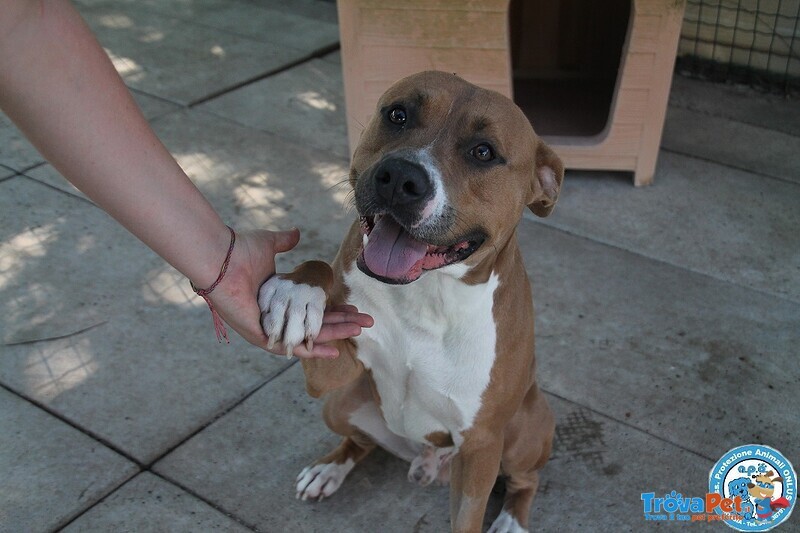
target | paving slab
x=316, y=10
x=48, y=175
x=246, y=464
x=148, y=503
x=6, y=172
x=699, y=362
x=51, y=471
x=738, y=103
x=259, y=180
x=304, y=104
x=102, y=331
x=334, y=57
x=730, y=224
x=307, y=26
x=176, y=59
x=744, y=146
x=16, y=152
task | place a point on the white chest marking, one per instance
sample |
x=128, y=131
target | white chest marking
x=431, y=350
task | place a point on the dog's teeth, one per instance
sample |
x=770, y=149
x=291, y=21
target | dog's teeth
x=365, y=240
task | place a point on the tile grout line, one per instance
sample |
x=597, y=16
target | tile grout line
x=234, y=404
x=72, y=424
x=103, y=498
x=629, y=425
x=603, y=242
x=148, y=467
x=688, y=107
x=53, y=187
x=727, y=165
x=316, y=54
x=210, y=503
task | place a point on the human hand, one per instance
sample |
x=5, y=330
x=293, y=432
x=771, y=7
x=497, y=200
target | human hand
x=252, y=262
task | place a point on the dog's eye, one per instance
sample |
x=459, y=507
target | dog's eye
x=482, y=152
x=397, y=115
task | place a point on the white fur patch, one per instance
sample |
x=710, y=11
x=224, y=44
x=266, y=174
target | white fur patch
x=321, y=480
x=434, y=208
x=368, y=419
x=431, y=350
x=505, y=523
x=291, y=313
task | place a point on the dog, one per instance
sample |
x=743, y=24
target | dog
x=445, y=379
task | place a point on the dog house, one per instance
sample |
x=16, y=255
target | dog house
x=593, y=77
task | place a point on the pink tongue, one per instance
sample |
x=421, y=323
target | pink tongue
x=391, y=251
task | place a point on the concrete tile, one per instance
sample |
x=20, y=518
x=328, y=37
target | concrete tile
x=247, y=462
x=51, y=471
x=731, y=143
x=334, y=57
x=690, y=359
x=304, y=104
x=592, y=453
x=49, y=176
x=316, y=10
x=176, y=59
x=6, y=172
x=284, y=23
x=99, y=329
x=258, y=180
x=15, y=151
x=738, y=103
x=151, y=106
x=726, y=223
x=148, y=503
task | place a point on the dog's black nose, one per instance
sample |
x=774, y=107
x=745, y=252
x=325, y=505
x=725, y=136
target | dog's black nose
x=399, y=181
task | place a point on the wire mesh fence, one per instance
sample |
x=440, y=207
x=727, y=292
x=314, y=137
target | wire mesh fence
x=754, y=42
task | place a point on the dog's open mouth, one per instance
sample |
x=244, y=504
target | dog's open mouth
x=390, y=254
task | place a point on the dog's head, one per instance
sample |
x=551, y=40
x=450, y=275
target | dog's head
x=441, y=176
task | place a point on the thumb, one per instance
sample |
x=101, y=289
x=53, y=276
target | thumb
x=285, y=240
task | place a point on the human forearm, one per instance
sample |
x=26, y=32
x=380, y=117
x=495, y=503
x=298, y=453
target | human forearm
x=61, y=89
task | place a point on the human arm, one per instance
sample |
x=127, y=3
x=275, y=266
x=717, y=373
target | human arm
x=62, y=91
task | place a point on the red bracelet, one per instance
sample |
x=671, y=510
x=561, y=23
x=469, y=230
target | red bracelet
x=219, y=325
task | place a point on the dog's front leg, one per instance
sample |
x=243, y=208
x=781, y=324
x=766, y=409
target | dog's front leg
x=292, y=309
x=472, y=475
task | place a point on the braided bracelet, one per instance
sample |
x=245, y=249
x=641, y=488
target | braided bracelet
x=219, y=325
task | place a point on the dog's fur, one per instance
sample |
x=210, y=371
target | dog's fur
x=446, y=377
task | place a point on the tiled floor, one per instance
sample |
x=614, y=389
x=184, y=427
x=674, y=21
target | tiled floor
x=668, y=318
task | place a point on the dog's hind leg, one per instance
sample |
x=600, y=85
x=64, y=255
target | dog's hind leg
x=528, y=441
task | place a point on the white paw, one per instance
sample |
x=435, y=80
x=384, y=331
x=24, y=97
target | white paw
x=291, y=313
x=321, y=480
x=505, y=523
x=431, y=464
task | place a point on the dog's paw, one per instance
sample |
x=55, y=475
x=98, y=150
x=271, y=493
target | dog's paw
x=291, y=313
x=431, y=464
x=321, y=480
x=506, y=523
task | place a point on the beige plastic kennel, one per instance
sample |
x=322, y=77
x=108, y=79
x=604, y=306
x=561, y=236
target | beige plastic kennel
x=593, y=76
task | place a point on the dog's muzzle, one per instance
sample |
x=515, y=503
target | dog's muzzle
x=394, y=198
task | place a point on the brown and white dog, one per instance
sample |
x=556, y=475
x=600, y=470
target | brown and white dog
x=446, y=377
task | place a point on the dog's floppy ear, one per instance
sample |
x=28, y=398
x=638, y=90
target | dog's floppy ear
x=546, y=180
